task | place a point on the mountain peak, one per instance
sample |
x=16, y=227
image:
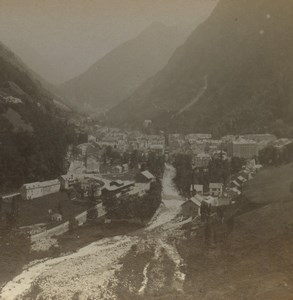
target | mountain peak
x=244, y=50
x=116, y=76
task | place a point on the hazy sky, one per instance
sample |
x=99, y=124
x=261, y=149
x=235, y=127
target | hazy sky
x=67, y=36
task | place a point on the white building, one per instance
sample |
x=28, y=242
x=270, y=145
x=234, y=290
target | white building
x=216, y=189
x=243, y=148
x=67, y=181
x=197, y=189
x=39, y=189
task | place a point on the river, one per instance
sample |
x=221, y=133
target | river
x=89, y=271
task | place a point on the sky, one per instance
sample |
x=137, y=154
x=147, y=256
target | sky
x=62, y=38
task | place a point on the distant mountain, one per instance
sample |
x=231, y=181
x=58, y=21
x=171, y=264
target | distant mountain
x=233, y=75
x=34, y=59
x=33, y=131
x=120, y=72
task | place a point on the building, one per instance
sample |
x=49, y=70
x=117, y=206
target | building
x=92, y=164
x=280, y=144
x=220, y=154
x=217, y=202
x=147, y=123
x=56, y=217
x=125, y=167
x=196, y=189
x=91, y=138
x=145, y=177
x=108, y=142
x=243, y=148
x=216, y=189
x=117, y=169
x=82, y=148
x=91, y=187
x=191, y=207
x=198, y=136
x=117, y=188
x=67, y=181
x=201, y=160
x=260, y=138
x=35, y=190
x=158, y=149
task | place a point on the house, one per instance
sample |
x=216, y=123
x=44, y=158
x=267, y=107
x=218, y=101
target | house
x=201, y=160
x=92, y=164
x=191, y=207
x=91, y=187
x=117, y=169
x=125, y=167
x=241, y=179
x=217, y=201
x=147, y=123
x=56, y=217
x=117, y=188
x=243, y=148
x=216, y=189
x=67, y=181
x=39, y=189
x=235, y=184
x=234, y=192
x=91, y=139
x=196, y=189
x=82, y=148
x=158, y=149
x=145, y=177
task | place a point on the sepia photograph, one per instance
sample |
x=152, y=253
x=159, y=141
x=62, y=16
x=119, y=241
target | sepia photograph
x=146, y=149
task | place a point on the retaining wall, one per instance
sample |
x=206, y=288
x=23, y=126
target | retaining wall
x=62, y=228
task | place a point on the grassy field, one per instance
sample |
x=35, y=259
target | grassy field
x=36, y=211
x=270, y=185
x=253, y=261
x=14, y=254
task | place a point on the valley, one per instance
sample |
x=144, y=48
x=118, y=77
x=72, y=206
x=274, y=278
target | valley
x=163, y=170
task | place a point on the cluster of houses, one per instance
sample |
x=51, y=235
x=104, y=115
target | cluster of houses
x=202, y=147
x=88, y=184
x=122, y=140
x=138, y=187
x=218, y=195
x=88, y=187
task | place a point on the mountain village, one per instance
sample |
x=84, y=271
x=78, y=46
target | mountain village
x=146, y=150
x=115, y=162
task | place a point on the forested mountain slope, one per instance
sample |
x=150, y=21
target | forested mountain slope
x=121, y=71
x=33, y=131
x=232, y=75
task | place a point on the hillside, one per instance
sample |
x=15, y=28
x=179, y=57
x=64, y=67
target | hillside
x=253, y=260
x=33, y=135
x=232, y=75
x=271, y=185
x=31, y=57
x=120, y=72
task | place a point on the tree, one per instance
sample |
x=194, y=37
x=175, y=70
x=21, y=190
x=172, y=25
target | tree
x=236, y=164
x=134, y=159
x=184, y=172
x=92, y=214
x=219, y=170
x=269, y=156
